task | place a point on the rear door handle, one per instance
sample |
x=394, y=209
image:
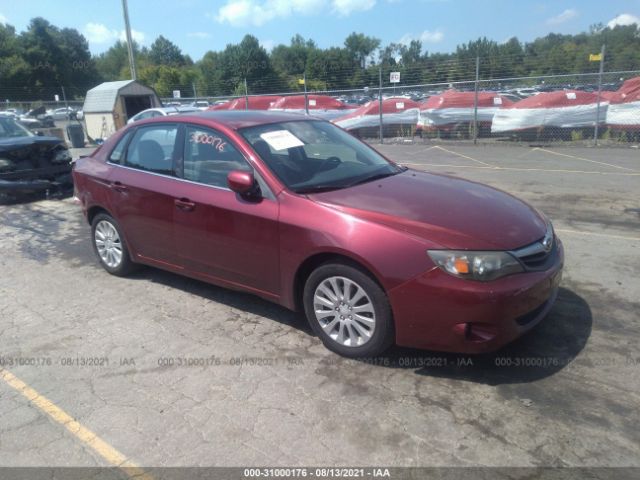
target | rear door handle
x=184, y=204
x=119, y=187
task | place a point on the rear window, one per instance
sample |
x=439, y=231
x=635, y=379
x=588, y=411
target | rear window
x=117, y=153
x=152, y=148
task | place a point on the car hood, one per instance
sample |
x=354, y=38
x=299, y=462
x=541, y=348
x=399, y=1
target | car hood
x=451, y=212
x=16, y=143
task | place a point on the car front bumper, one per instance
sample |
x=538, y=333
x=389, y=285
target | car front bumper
x=438, y=311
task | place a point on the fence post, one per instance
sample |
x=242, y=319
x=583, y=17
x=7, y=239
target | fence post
x=380, y=101
x=246, y=95
x=595, y=130
x=475, y=103
x=64, y=98
x=306, y=98
x=195, y=93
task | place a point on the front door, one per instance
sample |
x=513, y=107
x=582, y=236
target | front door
x=218, y=233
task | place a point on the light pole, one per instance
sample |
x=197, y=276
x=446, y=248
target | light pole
x=127, y=29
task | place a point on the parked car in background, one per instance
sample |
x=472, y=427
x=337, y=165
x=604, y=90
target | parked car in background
x=300, y=212
x=201, y=104
x=31, y=163
x=161, y=112
x=11, y=112
x=37, y=118
x=63, y=113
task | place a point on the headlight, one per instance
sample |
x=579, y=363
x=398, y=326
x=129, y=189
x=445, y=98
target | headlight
x=62, y=155
x=482, y=266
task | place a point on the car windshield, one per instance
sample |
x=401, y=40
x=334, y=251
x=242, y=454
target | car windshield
x=313, y=156
x=9, y=128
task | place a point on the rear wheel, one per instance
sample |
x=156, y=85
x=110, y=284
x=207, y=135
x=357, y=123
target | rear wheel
x=348, y=310
x=109, y=245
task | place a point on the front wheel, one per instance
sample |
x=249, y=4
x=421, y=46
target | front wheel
x=348, y=310
x=109, y=245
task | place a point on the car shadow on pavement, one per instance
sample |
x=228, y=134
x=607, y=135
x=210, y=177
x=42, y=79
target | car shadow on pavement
x=545, y=350
x=245, y=302
x=548, y=348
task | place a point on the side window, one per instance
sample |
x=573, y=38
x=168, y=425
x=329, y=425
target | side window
x=118, y=152
x=152, y=148
x=209, y=157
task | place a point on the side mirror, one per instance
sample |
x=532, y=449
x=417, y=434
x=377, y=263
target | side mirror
x=39, y=133
x=241, y=182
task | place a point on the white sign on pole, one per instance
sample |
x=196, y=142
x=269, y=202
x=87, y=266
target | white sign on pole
x=56, y=97
x=394, y=77
x=176, y=94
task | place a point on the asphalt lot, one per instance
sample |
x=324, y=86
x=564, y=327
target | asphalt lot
x=166, y=371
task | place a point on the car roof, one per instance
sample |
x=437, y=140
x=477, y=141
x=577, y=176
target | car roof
x=236, y=119
x=173, y=109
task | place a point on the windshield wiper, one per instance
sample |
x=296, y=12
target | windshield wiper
x=318, y=188
x=372, y=178
x=329, y=187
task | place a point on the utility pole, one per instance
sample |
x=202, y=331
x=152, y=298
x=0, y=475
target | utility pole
x=127, y=28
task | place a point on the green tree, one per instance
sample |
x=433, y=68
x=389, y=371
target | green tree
x=360, y=47
x=164, y=52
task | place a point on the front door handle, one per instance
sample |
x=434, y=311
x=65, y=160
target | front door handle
x=119, y=187
x=184, y=204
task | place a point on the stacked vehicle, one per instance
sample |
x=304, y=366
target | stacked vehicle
x=397, y=113
x=624, y=107
x=322, y=106
x=260, y=102
x=564, y=110
x=454, y=111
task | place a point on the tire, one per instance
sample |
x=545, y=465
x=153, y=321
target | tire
x=107, y=241
x=367, y=332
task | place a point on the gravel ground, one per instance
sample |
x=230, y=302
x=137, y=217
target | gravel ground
x=169, y=371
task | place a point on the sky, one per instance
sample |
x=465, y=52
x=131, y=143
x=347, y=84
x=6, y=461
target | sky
x=197, y=26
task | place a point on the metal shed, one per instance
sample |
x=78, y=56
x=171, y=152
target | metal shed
x=108, y=106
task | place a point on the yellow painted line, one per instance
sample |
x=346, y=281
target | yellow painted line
x=594, y=234
x=521, y=169
x=463, y=156
x=582, y=159
x=82, y=433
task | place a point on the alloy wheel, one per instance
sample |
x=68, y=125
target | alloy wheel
x=108, y=244
x=344, y=311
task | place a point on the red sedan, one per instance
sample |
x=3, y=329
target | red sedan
x=299, y=212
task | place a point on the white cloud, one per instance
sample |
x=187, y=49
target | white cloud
x=199, y=35
x=99, y=33
x=563, y=17
x=240, y=13
x=243, y=13
x=3, y=19
x=427, y=36
x=624, y=19
x=431, y=37
x=345, y=8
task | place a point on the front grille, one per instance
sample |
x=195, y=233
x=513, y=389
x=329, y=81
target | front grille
x=539, y=259
x=536, y=257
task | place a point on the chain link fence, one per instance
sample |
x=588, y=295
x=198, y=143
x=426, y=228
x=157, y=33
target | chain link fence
x=590, y=107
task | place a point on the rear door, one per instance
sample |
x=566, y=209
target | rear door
x=218, y=233
x=141, y=184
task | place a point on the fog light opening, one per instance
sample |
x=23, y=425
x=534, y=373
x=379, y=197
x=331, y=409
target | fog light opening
x=475, y=332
